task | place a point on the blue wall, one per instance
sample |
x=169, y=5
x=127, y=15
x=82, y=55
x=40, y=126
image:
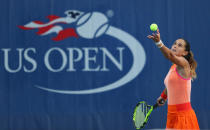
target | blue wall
x=24, y=106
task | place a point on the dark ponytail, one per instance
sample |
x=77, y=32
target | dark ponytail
x=190, y=58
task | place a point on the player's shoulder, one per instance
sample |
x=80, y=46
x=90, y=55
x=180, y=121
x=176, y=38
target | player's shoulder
x=183, y=62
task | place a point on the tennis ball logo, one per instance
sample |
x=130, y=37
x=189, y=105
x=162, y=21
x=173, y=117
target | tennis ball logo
x=92, y=25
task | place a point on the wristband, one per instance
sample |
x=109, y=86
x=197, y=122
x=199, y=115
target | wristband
x=158, y=43
x=163, y=95
x=161, y=46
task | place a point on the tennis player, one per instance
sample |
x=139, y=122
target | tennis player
x=178, y=83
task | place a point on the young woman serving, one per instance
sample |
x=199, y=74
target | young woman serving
x=178, y=83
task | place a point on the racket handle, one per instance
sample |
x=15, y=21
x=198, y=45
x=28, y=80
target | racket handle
x=155, y=106
x=160, y=102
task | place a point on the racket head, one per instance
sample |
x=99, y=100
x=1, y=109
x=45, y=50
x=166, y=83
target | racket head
x=141, y=113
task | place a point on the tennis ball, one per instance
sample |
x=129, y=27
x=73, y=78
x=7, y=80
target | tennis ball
x=92, y=25
x=153, y=27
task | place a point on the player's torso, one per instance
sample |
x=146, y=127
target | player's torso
x=178, y=88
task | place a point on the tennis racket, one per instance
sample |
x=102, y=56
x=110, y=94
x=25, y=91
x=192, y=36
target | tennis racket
x=142, y=112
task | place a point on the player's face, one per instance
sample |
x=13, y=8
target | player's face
x=178, y=48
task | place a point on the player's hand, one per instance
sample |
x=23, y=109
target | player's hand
x=161, y=101
x=155, y=36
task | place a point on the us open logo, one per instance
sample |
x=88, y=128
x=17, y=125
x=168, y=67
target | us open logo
x=89, y=26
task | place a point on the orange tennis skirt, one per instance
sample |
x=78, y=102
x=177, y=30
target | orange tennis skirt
x=181, y=116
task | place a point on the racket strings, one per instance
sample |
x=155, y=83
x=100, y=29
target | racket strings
x=141, y=112
x=144, y=108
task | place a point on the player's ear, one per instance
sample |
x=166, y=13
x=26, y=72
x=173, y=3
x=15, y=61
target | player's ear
x=185, y=53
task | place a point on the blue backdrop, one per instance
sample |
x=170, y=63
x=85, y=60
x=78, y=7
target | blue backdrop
x=43, y=80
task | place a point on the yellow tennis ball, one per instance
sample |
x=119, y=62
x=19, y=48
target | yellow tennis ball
x=153, y=27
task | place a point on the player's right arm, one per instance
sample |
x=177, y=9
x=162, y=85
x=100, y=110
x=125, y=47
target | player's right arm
x=178, y=60
x=163, y=97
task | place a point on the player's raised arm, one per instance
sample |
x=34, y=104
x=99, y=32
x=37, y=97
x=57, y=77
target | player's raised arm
x=169, y=53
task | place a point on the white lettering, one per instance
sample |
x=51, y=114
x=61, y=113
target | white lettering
x=47, y=63
x=6, y=60
x=88, y=59
x=106, y=53
x=29, y=59
x=72, y=58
